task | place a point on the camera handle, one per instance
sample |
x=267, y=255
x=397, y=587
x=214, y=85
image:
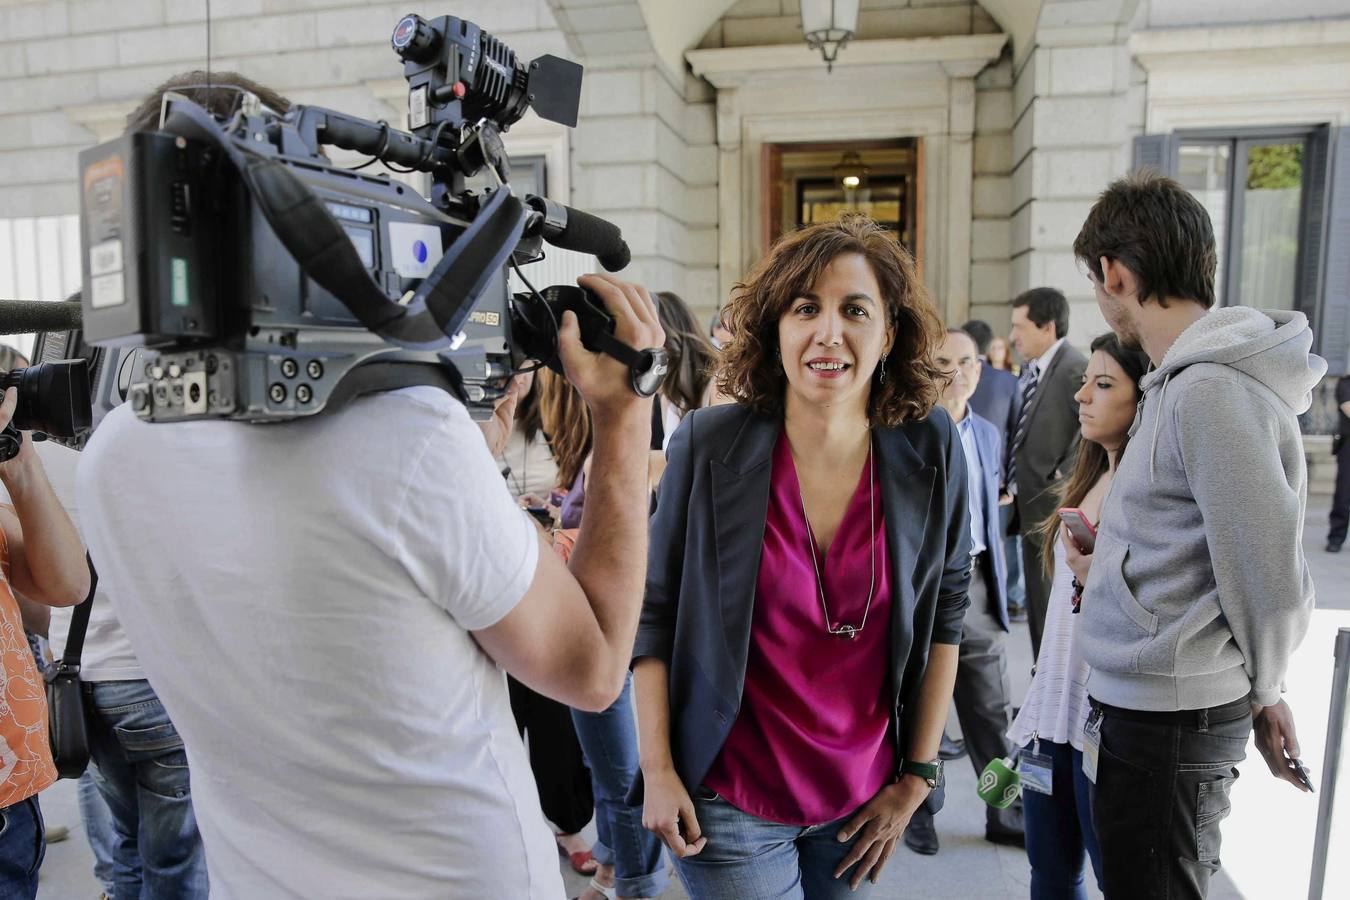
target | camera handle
x=323, y=251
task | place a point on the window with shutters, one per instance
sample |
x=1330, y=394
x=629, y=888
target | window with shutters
x=1279, y=199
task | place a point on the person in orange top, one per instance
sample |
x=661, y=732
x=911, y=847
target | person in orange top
x=42, y=562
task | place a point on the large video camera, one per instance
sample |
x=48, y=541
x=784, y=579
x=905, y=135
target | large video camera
x=258, y=281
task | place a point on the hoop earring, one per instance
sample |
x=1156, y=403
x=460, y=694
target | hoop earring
x=882, y=373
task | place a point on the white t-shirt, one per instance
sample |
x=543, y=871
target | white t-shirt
x=303, y=598
x=107, y=654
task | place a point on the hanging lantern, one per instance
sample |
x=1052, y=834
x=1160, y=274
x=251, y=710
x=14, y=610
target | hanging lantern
x=828, y=25
x=851, y=172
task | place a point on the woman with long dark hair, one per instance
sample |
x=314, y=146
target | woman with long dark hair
x=688, y=385
x=1050, y=724
x=807, y=578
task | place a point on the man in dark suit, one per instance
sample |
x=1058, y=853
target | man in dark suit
x=983, y=695
x=997, y=400
x=1045, y=436
x=996, y=397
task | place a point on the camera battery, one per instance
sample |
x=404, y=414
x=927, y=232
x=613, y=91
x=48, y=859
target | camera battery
x=148, y=242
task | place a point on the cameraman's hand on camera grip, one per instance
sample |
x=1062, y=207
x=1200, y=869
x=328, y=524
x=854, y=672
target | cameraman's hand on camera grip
x=604, y=382
x=12, y=442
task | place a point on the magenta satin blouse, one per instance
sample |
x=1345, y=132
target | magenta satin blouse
x=811, y=743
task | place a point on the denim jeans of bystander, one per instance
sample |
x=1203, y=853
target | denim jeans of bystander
x=1059, y=828
x=1162, y=792
x=142, y=773
x=609, y=740
x=749, y=858
x=22, y=847
x=98, y=828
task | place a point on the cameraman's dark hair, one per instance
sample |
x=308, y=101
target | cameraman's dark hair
x=220, y=99
x=1045, y=304
x=1154, y=227
x=980, y=333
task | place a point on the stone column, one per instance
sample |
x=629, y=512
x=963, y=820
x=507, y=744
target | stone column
x=644, y=150
x=1076, y=106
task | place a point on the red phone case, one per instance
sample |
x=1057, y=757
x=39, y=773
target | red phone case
x=1078, y=523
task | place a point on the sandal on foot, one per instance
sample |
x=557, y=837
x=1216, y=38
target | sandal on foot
x=606, y=892
x=582, y=861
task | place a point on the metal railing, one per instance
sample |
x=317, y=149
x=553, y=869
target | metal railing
x=1340, y=688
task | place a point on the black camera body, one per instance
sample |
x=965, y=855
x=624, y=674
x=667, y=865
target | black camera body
x=257, y=281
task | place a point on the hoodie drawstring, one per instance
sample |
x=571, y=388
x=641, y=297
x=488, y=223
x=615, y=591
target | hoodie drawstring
x=1157, y=424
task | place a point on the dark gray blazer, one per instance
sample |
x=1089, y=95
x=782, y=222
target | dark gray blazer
x=1052, y=437
x=706, y=539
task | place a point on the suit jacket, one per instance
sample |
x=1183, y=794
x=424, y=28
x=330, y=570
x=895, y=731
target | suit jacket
x=989, y=446
x=706, y=539
x=998, y=400
x=1052, y=437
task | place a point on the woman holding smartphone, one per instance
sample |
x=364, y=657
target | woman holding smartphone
x=1049, y=727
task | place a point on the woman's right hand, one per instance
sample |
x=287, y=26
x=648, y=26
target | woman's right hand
x=1080, y=563
x=665, y=807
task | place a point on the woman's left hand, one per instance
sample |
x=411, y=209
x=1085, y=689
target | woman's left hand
x=1079, y=562
x=882, y=822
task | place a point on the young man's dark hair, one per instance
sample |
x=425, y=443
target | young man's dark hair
x=1157, y=230
x=221, y=98
x=980, y=333
x=1046, y=304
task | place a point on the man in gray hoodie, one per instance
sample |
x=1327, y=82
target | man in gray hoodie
x=1197, y=592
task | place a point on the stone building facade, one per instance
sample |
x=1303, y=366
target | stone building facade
x=1023, y=109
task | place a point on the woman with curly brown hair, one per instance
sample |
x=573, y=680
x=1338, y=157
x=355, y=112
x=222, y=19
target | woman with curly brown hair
x=806, y=584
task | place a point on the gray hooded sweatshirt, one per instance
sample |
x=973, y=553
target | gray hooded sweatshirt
x=1199, y=591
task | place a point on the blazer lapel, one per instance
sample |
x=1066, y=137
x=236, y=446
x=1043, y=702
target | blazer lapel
x=740, y=483
x=1043, y=383
x=906, y=486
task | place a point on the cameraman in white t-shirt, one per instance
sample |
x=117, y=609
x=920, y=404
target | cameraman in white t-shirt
x=326, y=608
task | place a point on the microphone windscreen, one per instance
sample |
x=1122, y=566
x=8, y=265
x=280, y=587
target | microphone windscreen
x=29, y=316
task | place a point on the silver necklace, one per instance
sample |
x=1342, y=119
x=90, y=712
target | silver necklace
x=847, y=632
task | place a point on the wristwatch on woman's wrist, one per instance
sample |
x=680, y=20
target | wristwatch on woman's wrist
x=930, y=772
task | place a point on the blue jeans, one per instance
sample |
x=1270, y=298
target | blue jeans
x=1059, y=829
x=749, y=858
x=609, y=741
x=98, y=828
x=141, y=771
x=22, y=847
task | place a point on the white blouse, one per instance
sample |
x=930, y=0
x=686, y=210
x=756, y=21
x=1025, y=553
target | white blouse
x=1056, y=706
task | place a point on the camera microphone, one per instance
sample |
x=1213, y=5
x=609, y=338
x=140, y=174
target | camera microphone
x=29, y=316
x=571, y=229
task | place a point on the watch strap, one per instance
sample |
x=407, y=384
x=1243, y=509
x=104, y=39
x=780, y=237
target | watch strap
x=929, y=771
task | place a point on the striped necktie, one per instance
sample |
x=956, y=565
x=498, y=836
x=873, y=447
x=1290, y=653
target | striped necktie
x=1030, y=378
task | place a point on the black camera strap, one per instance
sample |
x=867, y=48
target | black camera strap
x=377, y=377
x=323, y=251
x=79, y=624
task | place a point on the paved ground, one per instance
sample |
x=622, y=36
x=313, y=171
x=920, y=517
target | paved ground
x=1268, y=839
